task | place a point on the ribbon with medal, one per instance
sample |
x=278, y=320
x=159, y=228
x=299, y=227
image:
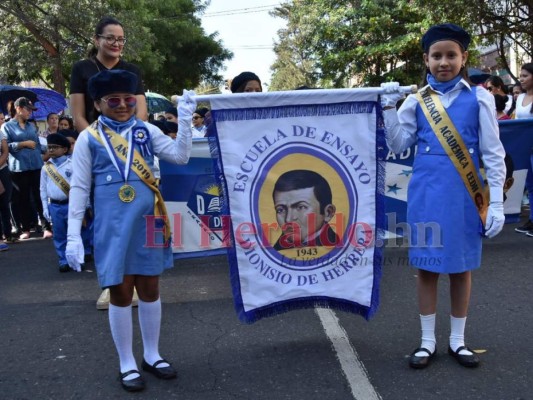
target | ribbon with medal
x=141, y=136
x=126, y=193
x=124, y=151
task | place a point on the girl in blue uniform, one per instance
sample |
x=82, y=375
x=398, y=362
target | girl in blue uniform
x=131, y=241
x=446, y=228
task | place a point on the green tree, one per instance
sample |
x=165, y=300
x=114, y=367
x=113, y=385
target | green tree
x=363, y=42
x=42, y=40
x=507, y=24
x=295, y=64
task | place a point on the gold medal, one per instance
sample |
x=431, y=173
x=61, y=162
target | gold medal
x=126, y=193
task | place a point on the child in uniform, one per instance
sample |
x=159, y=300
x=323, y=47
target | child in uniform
x=437, y=191
x=116, y=155
x=55, y=186
x=87, y=225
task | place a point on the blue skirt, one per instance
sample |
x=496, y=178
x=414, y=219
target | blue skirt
x=446, y=230
x=124, y=243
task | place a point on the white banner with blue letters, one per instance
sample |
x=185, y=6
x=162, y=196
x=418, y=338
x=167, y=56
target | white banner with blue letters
x=302, y=177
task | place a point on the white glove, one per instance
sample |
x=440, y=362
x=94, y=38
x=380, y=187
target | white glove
x=495, y=219
x=186, y=107
x=391, y=95
x=75, y=252
x=46, y=213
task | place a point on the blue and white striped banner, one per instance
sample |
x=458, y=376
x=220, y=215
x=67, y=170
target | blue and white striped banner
x=192, y=196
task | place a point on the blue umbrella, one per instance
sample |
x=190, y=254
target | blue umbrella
x=11, y=93
x=48, y=101
x=157, y=103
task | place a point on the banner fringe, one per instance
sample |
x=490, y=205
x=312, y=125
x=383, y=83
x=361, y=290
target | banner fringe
x=298, y=304
x=319, y=110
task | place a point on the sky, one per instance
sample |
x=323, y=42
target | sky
x=246, y=28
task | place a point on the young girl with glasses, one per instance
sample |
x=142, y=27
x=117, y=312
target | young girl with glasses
x=132, y=243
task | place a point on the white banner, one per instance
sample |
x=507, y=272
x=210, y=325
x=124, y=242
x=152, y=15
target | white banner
x=303, y=177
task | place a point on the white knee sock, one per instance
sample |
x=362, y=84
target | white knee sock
x=150, y=321
x=427, y=323
x=120, y=321
x=457, y=334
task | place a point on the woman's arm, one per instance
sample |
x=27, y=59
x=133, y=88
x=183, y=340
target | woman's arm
x=4, y=151
x=77, y=107
x=142, y=108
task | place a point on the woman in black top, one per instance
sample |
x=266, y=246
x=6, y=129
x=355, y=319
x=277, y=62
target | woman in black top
x=109, y=41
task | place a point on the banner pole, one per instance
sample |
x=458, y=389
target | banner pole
x=377, y=90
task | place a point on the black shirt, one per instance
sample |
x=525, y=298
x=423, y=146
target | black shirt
x=83, y=70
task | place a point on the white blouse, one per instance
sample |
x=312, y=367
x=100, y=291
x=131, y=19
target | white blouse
x=521, y=111
x=402, y=131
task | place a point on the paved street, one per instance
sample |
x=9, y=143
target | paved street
x=56, y=345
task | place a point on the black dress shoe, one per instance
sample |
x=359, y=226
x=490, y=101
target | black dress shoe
x=132, y=385
x=163, y=372
x=466, y=360
x=417, y=362
x=64, y=268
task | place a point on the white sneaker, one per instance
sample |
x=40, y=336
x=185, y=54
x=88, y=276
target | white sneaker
x=103, y=301
x=47, y=234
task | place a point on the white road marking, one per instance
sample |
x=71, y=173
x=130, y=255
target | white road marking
x=351, y=365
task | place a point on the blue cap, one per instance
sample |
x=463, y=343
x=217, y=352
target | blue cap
x=172, y=110
x=58, y=139
x=112, y=81
x=441, y=32
x=68, y=133
x=171, y=127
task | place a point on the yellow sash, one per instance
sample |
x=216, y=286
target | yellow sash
x=58, y=179
x=454, y=146
x=141, y=169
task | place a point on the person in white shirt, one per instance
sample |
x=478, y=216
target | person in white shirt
x=524, y=109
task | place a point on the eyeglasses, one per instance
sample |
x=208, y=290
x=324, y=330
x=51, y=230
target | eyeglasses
x=196, y=117
x=114, y=102
x=54, y=147
x=111, y=40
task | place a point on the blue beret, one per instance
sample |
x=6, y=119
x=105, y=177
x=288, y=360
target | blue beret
x=58, y=139
x=68, y=133
x=161, y=125
x=441, y=32
x=172, y=110
x=171, y=127
x=112, y=81
x=201, y=111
